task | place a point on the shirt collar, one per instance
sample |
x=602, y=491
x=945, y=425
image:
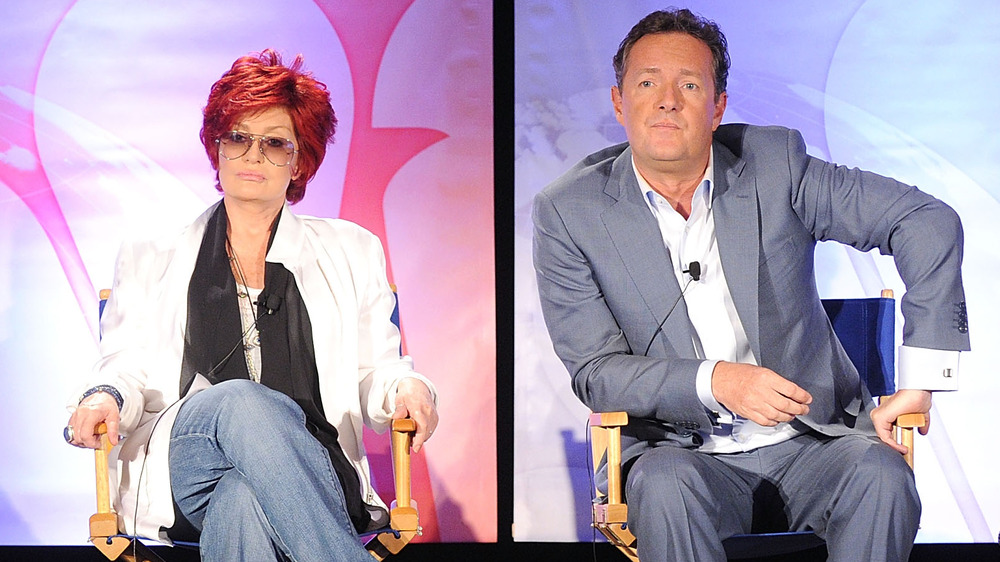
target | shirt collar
x=703, y=192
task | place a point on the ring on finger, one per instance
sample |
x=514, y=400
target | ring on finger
x=68, y=434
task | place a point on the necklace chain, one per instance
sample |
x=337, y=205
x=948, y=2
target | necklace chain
x=251, y=334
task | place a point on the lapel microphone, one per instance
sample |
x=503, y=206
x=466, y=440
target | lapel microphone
x=267, y=303
x=270, y=303
x=694, y=270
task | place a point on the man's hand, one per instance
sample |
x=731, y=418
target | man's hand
x=758, y=394
x=414, y=400
x=97, y=408
x=902, y=402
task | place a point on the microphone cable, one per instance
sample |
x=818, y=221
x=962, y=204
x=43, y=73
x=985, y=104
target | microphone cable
x=694, y=269
x=263, y=307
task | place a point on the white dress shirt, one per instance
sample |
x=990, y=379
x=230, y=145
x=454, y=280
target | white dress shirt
x=718, y=333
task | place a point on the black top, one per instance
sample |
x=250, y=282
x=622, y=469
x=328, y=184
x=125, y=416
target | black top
x=288, y=359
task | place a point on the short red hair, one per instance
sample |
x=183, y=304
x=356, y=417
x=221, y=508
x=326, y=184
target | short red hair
x=259, y=82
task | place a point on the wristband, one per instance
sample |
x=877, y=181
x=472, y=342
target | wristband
x=105, y=388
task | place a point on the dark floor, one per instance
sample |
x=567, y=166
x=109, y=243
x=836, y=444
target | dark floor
x=522, y=552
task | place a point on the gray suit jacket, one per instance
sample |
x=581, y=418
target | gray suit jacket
x=605, y=279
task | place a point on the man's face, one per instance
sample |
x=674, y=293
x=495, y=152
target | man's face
x=667, y=102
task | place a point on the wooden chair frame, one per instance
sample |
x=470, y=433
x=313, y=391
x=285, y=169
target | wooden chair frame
x=610, y=512
x=404, y=520
x=611, y=516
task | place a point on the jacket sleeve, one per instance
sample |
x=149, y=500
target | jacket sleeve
x=121, y=348
x=380, y=363
x=607, y=373
x=923, y=234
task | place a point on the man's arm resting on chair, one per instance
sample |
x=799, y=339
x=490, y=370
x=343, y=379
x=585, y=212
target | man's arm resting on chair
x=922, y=371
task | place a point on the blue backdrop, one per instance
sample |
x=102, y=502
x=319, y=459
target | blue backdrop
x=900, y=88
x=100, y=108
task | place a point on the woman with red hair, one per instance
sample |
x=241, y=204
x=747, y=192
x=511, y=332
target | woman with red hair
x=243, y=357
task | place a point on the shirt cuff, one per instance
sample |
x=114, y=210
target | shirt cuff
x=921, y=368
x=703, y=384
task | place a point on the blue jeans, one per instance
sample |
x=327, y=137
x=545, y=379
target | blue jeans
x=247, y=473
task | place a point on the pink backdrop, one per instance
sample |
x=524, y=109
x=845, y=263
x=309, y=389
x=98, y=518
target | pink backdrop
x=100, y=106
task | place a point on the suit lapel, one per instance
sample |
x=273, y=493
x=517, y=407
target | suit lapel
x=737, y=231
x=636, y=237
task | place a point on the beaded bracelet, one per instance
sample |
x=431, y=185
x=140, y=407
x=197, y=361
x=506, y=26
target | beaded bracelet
x=105, y=388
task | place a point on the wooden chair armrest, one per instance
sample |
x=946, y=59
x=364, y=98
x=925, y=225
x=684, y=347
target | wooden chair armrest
x=402, y=439
x=606, y=434
x=104, y=523
x=609, y=419
x=911, y=420
x=404, y=425
x=905, y=424
x=903, y=432
x=403, y=518
x=101, y=469
x=610, y=518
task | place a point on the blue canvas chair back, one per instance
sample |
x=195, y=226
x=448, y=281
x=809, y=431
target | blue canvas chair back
x=866, y=329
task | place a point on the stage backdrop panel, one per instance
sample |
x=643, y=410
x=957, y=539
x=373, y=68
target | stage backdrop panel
x=100, y=108
x=898, y=88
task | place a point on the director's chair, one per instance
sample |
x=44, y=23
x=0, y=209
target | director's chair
x=866, y=329
x=404, y=523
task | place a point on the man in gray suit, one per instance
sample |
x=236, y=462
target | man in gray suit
x=677, y=283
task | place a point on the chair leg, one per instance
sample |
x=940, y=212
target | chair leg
x=628, y=551
x=403, y=518
x=610, y=520
x=377, y=549
x=386, y=544
x=124, y=549
x=138, y=552
x=404, y=524
x=111, y=547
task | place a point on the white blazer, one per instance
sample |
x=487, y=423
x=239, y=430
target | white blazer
x=339, y=269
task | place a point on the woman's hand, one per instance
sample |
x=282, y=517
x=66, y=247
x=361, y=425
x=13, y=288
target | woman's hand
x=414, y=400
x=95, y=409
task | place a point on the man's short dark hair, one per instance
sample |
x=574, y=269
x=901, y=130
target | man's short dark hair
x=682, y=21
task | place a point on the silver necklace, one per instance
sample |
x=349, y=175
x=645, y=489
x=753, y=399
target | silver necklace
x=248, y=322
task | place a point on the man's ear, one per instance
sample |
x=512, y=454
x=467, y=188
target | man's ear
x=720, y=109
x=616, y=101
